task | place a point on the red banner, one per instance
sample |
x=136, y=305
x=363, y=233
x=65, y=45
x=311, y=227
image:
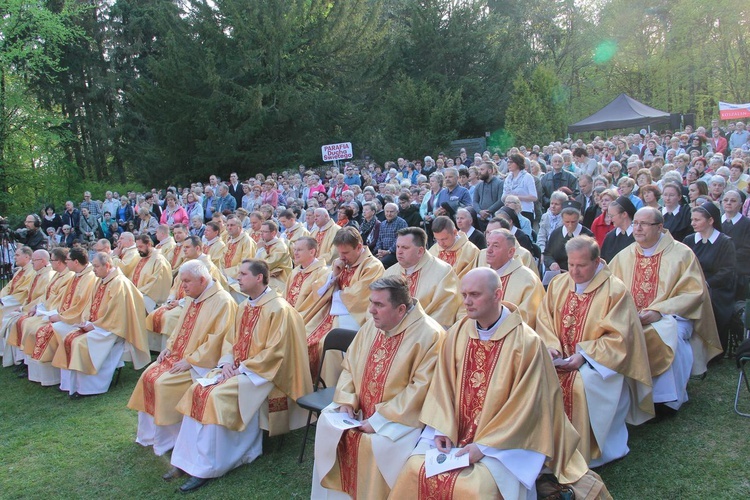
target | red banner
x=729, y=111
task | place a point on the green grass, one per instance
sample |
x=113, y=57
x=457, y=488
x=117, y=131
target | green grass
x=53, y=447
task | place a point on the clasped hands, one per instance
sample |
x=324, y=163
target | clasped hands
x=574, y=362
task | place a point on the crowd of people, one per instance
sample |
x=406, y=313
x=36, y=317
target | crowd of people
x=520, y=310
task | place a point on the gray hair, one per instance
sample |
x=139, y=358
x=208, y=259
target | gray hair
x=102, y=258
x=559, y=196
x=509, y=237
x=717, y=179
x=195, y=269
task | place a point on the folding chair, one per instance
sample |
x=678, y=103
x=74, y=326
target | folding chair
x=742, y=357
x=337, y=339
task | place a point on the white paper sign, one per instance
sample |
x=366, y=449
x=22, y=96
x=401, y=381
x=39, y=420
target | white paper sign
x=437, y=462
x=342, y=420
x=548, y=275
x=341, y=151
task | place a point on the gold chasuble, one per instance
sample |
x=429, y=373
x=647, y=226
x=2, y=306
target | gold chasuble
x=35, y=294
x=215, y=250
x=117, y=307
x=462, y=256
x=387, y=373
x=434, y=284
x=670, y=282
x=18, y=288
x=268, y=340
x=38, y=330
x=237, y=250
x=522, y=255
x=276, y=254
x=153, y=277
x=324, y=236
x=127, y=261
x=198, y=339
x=293, y=234
x=300, y=290
x=353, y=285
x=176, y=258
x=25, y=327
x=502, y=393
x=522, y=287
x=254, y=235
x=167, y=248
x=603, y=323
x=162, y=319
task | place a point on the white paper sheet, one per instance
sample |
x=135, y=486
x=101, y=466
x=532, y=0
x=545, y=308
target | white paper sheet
x=437, y=462
x=342, y=421
x=205, y=382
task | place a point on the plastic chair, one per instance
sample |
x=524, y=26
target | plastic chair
x=338, y=339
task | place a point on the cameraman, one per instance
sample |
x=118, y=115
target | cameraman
x=31, y=235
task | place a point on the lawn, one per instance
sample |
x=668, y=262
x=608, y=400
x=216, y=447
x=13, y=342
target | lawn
x=53, y=447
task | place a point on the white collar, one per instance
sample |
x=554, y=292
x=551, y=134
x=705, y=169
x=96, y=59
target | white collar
x=485, y=335
x=712, y=239
x=576, y=231
x=205, y=291
x=211, y=242
x=254, y=302
x=503, y=267
x=734, y=219
x=580, y=288
x=628, y=231
x=665, y=210
x=648, y=252
x=470, y=231
x=513, y=230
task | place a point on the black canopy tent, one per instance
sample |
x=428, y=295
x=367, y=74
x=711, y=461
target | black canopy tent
x=622, y=112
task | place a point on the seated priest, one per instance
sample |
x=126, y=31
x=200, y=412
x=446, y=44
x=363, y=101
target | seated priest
x=519, y=285
x=273, y=251
x=152, y=275
x=67, y=301
x=494, y=397
x=324, y=231
x=213, y=245
x=13, y=338
x=431, y=281
x=239, y=247
x=193, y=348
x=453, y=247
x=521, y=253
x=112, y=326
x=166, y=243
x=342, y=298
x=300, y=290
x=15, y=292
x=387, y=371
x=262, y=371
x=49, y=300
x=673, y=304
x=590, y=325
x=126, y=254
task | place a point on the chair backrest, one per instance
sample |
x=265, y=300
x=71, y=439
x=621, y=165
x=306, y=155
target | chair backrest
x=337, y=339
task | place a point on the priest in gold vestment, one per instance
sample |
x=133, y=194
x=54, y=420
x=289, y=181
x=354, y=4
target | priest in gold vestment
x=431, y=281
x=519, y=285
x=15, y=292
x=673, y=303
x=125, y=256
x=453, y=247
x=166, y=244
x=342, y=299
x=261, y=373
x=152, y=275
x=324, y=231
x=293, y=230
x=66, y=303
x=239, y=248
x=521, y=254
x=193, y=349
x=387, y=371
x=161, y=321
x=112, y=326
x=590, y=325
x=177, y=256
x=13, y=352
x=495, y=397
x=301, y=292
x=273, y=251
x=213, y=245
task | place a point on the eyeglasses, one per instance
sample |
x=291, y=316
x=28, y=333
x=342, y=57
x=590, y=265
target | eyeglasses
x=645, y=224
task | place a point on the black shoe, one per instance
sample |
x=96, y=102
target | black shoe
x=19, y=368
x=23, y=374
x=173, y=473
x=75, y=395
x=193, y=484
